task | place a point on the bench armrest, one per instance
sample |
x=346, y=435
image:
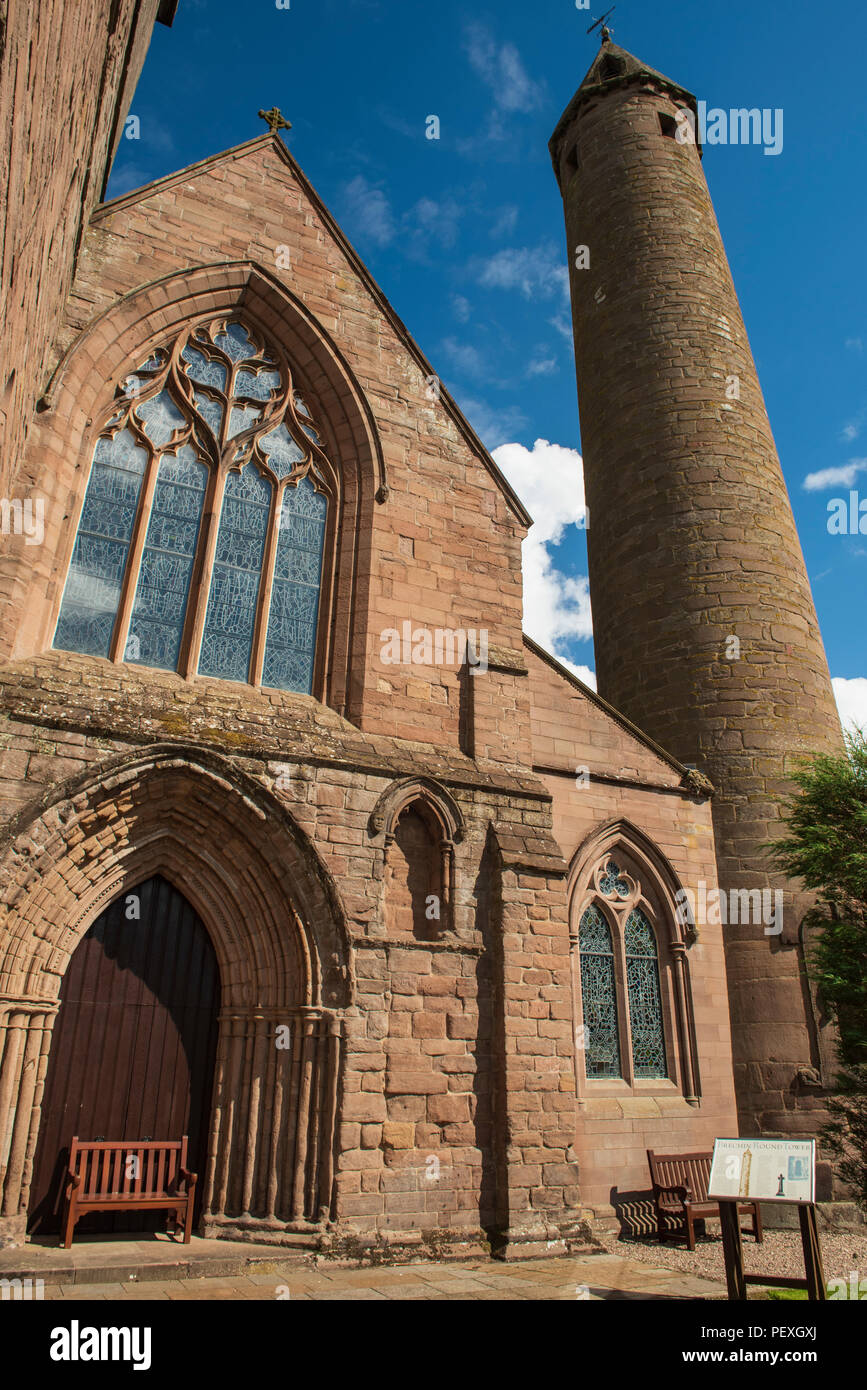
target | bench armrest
x=189, y=1178
x=684, y=1193
x=72, y=1179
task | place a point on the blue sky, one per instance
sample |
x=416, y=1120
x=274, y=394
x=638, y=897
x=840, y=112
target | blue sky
x=465, y=233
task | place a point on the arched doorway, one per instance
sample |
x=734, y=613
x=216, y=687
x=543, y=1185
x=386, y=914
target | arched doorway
x=132, y=1053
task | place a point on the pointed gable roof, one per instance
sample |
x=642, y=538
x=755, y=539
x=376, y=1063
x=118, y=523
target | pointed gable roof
x=613, y=67
x=275, y=144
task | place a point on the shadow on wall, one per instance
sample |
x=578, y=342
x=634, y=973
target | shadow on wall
x=489, y=1055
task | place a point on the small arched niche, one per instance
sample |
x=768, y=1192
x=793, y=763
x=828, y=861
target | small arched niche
x=419, y=824
x=413, y=901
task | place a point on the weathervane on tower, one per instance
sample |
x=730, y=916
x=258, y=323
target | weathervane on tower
x=275, y=120
x=606, y=32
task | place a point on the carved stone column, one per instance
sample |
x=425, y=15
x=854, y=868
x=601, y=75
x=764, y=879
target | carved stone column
x=271, y=1152
x=25, y=1036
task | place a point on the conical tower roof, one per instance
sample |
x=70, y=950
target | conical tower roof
x=613, y=67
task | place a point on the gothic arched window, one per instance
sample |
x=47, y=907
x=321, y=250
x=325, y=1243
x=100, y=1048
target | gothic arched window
x=599, y=995
x=642, y=990
x=621, y=998
x=202, y=535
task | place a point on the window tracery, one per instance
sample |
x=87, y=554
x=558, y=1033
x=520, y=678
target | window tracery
x=201, y=541
x=621, y=998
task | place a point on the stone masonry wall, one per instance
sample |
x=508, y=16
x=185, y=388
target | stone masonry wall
x=599, y=772
x=450, y=1126
x=66, y=77
x=441, y=551
x=693, y=543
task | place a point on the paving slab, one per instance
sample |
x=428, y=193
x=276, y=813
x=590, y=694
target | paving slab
x=560, y=1278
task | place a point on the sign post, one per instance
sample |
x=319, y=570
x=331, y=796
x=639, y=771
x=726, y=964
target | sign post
x=767, y=1170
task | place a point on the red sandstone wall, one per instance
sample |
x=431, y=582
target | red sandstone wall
x=693, y=542
x=67, y=71
x=629, y=781
x=456, y=1105
x=443, y=551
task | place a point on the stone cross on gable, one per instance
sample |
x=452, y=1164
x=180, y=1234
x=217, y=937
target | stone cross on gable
x=275, y=120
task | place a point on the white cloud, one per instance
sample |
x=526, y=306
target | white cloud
x=126, y=177
x=583, y=673
x=842, y=476
x=429, y=221
x=537, y=271
x=500, y=68
x=461, y=307
x=851, y=696
x=493, y=427
x=541, y=366
x=465, y=357
x=549, y=479
x=367, y=211
x=855, y=344
x=507, y=218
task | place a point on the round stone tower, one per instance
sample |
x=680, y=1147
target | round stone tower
x=704, y=625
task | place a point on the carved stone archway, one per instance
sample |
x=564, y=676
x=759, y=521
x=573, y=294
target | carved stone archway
x=281, y=942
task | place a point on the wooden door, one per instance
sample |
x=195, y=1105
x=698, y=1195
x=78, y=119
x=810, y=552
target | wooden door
x=132, y=1053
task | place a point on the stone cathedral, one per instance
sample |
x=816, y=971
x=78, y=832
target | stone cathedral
x=396, y=940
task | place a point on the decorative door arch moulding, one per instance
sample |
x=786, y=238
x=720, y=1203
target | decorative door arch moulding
x=165, y=807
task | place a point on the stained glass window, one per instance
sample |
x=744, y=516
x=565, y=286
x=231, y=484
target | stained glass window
x=598, y=996
x=291, y=644
x=612, y=883
x=160, y=417
x=619, y=966
x=645, y=1004
x=160, y=604
x=214, y=408
x=231, y=618
x=92, y=593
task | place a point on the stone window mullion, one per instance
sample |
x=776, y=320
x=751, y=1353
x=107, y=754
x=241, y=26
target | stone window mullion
x=263, y=606
x=133, y=565
x=201, y=586
x=627, y=1062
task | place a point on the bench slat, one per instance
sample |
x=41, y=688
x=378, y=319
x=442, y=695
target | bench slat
x=105, y=1182
x=689, y=1171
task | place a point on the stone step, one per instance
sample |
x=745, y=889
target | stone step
x=120, y=1261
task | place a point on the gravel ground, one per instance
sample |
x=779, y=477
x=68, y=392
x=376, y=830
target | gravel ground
x=780, y=1254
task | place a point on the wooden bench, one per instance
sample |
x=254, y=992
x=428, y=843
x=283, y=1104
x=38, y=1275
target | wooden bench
x=680, y=1183
x=101, y=1178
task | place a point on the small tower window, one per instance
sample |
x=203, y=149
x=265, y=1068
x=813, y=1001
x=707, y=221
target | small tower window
x=612, y=67
x=668, y=125
x=570, y=163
